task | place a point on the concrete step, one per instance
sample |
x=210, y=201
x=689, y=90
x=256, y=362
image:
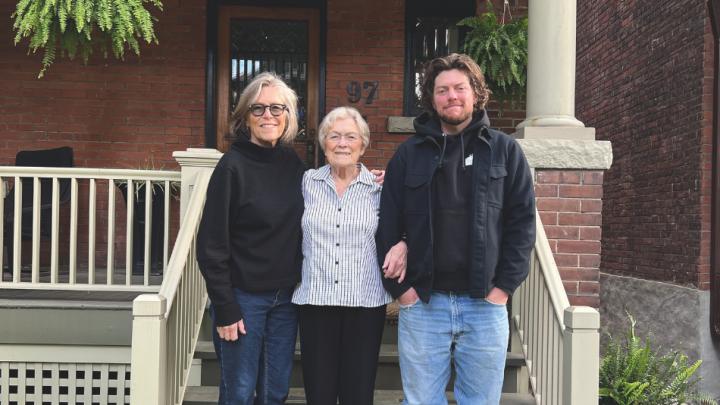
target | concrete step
x=388, y=372
x=209, y=395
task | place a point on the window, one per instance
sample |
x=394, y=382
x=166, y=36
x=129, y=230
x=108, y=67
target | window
x=430, y=32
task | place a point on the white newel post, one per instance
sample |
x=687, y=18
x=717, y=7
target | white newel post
x=192, y=161
x=148, y=358
x=581, y=355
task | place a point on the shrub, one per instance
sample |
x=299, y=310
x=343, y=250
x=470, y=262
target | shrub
x=631, y=373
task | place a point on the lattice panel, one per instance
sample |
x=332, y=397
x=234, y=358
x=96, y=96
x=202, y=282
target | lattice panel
x=64, y=384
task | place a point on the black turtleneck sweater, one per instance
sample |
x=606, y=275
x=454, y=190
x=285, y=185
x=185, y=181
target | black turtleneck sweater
x=249, y=236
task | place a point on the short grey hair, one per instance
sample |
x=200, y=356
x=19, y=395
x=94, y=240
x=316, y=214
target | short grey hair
x=239, y=117
x=343, y=113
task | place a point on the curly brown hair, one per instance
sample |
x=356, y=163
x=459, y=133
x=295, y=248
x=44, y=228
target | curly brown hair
x=463, y=63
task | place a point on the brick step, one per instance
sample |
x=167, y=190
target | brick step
x=209, y=396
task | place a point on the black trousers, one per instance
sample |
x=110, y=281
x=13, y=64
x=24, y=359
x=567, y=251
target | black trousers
x=340, y=347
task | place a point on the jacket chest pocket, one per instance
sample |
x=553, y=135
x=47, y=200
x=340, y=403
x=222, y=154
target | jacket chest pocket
x=417, y=193
x=496, y=186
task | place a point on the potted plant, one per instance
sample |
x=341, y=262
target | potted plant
x=72, y=27
x=500, y=48
x=157, y=227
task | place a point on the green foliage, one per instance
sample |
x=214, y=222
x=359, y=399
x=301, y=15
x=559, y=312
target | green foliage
x=500, y=50
x=76, y=27
x=632, y=373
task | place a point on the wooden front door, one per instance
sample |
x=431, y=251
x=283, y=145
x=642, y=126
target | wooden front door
x=252, y=40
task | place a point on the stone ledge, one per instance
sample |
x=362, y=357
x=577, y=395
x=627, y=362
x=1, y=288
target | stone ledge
x=567, y=154
x=400, y=125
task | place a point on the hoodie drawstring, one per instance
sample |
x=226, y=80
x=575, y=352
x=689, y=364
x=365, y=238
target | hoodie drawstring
x=442, y=154
x=462, y=151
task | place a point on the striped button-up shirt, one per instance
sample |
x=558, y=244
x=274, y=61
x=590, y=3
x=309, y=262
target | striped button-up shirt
x=340, y=265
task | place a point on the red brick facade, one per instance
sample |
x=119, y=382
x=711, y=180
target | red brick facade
x=113, y=114
x=120, y=114
x=644, y=81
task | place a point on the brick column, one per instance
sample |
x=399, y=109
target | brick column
x=570, y=207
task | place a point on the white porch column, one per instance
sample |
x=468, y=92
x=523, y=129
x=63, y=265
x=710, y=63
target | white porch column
x=192, y=161
x=551, y=73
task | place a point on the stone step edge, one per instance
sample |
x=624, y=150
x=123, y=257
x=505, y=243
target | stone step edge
x=388, y=354
x=209, y=395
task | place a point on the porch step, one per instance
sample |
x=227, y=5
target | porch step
x=388, y=372
x=209, y=395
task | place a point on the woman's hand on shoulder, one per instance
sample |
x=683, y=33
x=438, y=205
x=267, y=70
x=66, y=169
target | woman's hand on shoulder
x=379, y=176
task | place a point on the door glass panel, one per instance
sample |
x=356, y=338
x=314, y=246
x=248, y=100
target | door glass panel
x=258, y=46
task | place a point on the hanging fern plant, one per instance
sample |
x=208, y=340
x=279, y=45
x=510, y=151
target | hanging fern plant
x=500, y=48
x=76, y=27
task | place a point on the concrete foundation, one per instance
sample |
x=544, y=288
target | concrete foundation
x=673, y=317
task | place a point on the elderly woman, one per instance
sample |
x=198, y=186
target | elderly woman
x=249, y=246
x=341, y=299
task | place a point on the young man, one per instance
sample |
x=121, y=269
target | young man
x=461, y=194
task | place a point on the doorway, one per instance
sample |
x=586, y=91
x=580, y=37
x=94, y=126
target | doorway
x=252, y=40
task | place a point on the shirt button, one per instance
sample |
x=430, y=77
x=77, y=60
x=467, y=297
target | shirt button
x=336, y=281
x=339, y=209
x=337, y=262
x=337, y=244
x=337, y=226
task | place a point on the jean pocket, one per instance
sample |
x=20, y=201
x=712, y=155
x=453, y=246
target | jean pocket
x=494, y=303
x=409, y=305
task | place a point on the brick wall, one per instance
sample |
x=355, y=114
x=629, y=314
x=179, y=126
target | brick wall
x=570, y=204
x=643, y=82
x=366, y=42
x=130, y=114
x=114, y=114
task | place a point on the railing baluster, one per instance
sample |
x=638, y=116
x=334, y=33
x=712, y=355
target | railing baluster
x=37, y=193
x=73, y=230
x=148, y=227
x=166, y=227
x=110, y=270
x=17, y=230
x=55, y=231
x=91, y=231
x=129, y=232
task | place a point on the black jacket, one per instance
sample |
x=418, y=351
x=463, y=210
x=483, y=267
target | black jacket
x=249, y=236
x=502, y=213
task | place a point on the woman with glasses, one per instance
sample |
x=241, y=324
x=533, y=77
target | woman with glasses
x=341, y=299
x=248, y=246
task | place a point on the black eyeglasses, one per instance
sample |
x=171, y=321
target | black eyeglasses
x=259, y=109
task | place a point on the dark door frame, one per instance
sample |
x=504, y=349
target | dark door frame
x=211, y=65
x=714, y=12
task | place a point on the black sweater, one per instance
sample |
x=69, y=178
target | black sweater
x=249, y=236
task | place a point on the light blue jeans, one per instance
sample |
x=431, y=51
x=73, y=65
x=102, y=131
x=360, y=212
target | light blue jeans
x=472, y=332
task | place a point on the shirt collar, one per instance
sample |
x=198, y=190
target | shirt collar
x=365, y=177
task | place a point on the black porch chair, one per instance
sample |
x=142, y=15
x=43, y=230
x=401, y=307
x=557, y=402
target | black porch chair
x=58, y=157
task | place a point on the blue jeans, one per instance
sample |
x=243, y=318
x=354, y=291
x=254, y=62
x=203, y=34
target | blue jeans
x=472, y=332
x=255, y=369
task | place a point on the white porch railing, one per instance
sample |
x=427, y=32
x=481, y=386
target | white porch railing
x=99, y=187
x=166, y=325
x=559, y=342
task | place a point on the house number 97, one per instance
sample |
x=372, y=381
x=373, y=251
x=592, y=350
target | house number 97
x=355, y=91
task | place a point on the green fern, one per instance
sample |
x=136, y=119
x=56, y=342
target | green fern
x=633, y=374
x=72, y=27
x=501, y=51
